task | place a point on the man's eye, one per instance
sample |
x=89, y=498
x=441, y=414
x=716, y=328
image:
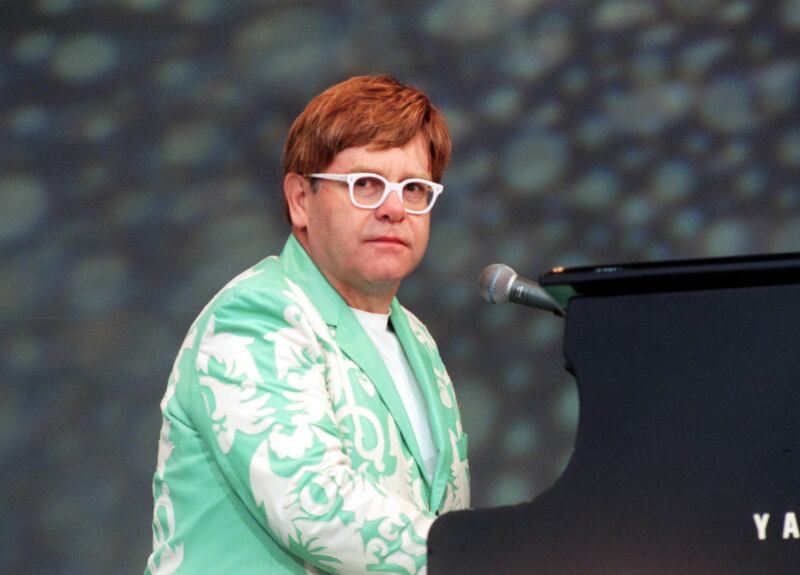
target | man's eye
x=416, y=188
x=368, y=183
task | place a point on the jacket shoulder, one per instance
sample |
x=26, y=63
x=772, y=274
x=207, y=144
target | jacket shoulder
x=260, y=288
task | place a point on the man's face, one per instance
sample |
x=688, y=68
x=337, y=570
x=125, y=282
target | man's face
x=364, y=253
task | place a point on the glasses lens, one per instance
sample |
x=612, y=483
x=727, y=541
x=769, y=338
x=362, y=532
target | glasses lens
x=368, y=191
x=417, y=194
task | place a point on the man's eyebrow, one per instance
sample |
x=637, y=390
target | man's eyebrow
x=357, y=169
x=405, y=176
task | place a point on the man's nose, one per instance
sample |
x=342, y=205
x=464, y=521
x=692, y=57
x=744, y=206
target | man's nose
x=392, y=207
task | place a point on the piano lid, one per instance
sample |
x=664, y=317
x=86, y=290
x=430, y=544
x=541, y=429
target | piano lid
x=669, y=276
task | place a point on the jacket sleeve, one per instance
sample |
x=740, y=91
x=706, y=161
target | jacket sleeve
x=261, y=401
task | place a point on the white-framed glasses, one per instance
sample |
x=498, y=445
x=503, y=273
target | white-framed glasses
x=369, y=190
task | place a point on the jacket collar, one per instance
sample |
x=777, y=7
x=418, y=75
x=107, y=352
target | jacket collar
x=302, y=270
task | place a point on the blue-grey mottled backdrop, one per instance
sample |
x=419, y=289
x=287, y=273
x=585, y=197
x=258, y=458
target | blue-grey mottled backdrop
x=140, y=146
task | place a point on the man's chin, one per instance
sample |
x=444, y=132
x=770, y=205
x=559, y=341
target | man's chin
x=388, y=247
x=388, y=277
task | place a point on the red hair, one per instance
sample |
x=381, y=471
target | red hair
x=378, y=111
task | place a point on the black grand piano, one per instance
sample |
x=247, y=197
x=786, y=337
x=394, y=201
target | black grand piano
x=687, y=455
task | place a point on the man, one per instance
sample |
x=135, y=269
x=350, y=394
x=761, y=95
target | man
x=309, y=423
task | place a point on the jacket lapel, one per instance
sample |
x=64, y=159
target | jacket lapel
x=357, y=345
x=420, y=361
x=351, y=337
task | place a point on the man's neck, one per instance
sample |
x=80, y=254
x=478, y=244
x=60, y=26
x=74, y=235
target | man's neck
x=371, y=302
x=373, y=298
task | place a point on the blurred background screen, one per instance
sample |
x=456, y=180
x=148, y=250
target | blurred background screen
x=140, y=147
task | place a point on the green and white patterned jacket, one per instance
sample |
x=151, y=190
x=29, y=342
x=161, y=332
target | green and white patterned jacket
x=285, y=447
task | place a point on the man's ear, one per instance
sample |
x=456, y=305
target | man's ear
x=296, y=189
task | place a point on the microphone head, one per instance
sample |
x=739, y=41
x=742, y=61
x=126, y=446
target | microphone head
x=495, y=282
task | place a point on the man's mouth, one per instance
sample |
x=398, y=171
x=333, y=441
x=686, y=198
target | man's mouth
x=387, y=240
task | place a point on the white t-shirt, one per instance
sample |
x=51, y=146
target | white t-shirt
x=377, y=327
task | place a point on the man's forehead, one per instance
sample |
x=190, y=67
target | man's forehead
x=368, y=157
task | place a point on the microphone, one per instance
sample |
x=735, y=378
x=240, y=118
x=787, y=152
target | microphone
x=498, y=283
